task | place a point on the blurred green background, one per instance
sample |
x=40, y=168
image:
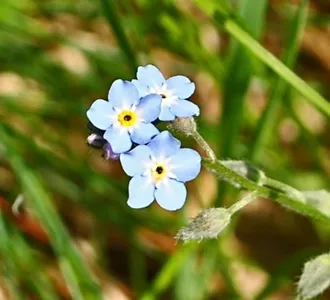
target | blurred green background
x=58, y=56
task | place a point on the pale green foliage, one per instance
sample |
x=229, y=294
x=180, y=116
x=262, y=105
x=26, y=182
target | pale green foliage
x=315, y=277
x=206, y=225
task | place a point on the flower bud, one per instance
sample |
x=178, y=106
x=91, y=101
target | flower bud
x=108, y=153
x=185, y=126
x=207, y=225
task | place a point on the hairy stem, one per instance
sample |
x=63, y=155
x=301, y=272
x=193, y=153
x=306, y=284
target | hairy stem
x=279, y=195
x=243, y=202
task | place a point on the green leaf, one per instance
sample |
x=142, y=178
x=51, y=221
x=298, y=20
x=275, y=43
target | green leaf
x=208, y=224
x=315, y=277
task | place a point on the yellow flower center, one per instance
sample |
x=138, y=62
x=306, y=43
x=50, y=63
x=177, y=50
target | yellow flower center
x=159, y=172
x=127, y=118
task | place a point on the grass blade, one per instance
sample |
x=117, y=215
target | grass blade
x=59, y=237
x=113, y=18
x=279, y=68
x=236, y=83
x=235, y=30
x=267, y=120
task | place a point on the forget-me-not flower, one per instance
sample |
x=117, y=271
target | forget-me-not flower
x=159, y=170
x=126, y=117
x=174, y=92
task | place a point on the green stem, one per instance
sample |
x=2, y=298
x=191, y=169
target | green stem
x=203, y=144
x=263, y=191
x=243, y=202
x=113, y=18
x=286, y=189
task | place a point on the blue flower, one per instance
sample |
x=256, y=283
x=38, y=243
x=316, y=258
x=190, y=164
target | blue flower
x=126, y=117
x=173, y=91
x=159, y=170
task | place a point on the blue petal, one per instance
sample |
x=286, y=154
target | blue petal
x=149, y=107
x=101, y=114
x=165, y=114
x=119, y=139
x=150, y=76
x=133, y=162
x=185, y=164
x=184, y=109
x=141, y=192
x=172, y=195
x=181, y=86
x=143, y=133
x=123, y=94
x=142, y=89
x=164, y=144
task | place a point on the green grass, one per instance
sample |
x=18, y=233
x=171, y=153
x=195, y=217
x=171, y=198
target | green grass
x=57, y=57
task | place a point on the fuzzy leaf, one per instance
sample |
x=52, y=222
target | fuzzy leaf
x=315, y=278
x=206, y=225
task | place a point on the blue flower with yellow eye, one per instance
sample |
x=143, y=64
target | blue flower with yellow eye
x=174, y=91
x=126, y=118
x=159, y=171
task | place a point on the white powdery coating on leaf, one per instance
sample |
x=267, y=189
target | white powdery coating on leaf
x=207, y=225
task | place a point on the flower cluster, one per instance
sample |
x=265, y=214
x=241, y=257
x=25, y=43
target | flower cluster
x=124, y=126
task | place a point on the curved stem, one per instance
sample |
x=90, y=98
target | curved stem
x=293, y=202
x=286, y=189
x=202, y=143
x=243, y=202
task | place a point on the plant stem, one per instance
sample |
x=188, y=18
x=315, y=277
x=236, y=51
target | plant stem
x=263, y=191
x=243, y=202
x=203, y=144
x=286, y=189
